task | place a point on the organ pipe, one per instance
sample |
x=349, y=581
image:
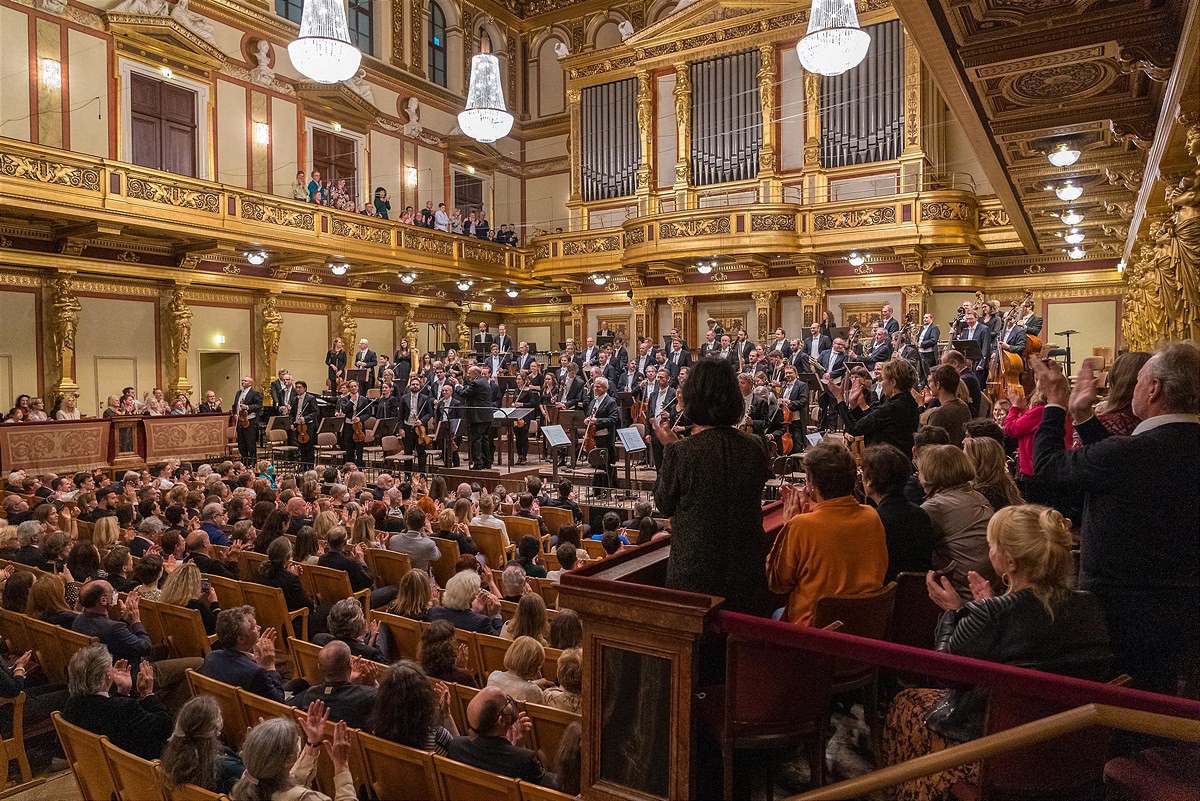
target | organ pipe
x=611, y=144
x=727, y=125
x=862, y=110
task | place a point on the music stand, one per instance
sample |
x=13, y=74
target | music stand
x=969, y=348
x=508, y=417
x=533, y=348
x=1067, y=334
x=358, y=375
x=507, y=383
x=448, y=346
x=631, y=441
x=556, y=439
x=602, y=341
x=571, y=420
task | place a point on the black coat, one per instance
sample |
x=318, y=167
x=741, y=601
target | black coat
x=476, y=397
x=894, y=421
x=909, y=534
x=139, y=726
x=239, y=669
x=352, y=703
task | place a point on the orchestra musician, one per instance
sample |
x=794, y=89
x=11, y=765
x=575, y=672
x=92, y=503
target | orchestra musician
x=536, y=376
x=482, y=339
x=973, y=330
x=528, y=397
x=901, y=349
x=661, y=401
x=496, y=362
x=887, y=322
x=727, y=352
x=476, y=396
x=503, y=341
x=881, y=348
x=387, y=405
x=679, y=357
x=716, y=327
x=249, y=400
x=402, y=364
x=525, y=359
x=1015, y=338
x=415, y=407
x=927, y=345
x=602, y=413
x=351, y=407
x=591, y=354
x=609, y=369
x=336, y=361
x=793, y=396
x=817, y=342
x=620, y=354
x=834, y=363
x=646, y=353
x=1032, y=322
x=780, y=344
x=755, y=409
x=365, y=359
x=742, y=346
x=710, y=345
x=304, y=408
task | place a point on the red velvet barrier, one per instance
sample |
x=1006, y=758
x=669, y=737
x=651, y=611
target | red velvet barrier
x=1019, y=681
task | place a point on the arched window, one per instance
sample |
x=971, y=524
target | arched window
x=437, y=44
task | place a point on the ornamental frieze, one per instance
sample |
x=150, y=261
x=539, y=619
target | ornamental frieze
x=993, y=218
x=482, y=253
x=635, y=236
x=857, y=218
x=428, y=244
x=49, y=172
x=172, y=195
x=703, y=226
x=603, y=244
x=356, y=230
x=273, y=214
x=772, y=222
x=946, y=211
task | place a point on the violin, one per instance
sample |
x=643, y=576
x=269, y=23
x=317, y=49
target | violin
x=423, y=438
x=788, y=416
x=589, y=437
x=302, y=435
x=244, y=417
x=358, y=434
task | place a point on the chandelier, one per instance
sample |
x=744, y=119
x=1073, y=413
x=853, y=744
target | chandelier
x=485, y=118
x=834, y=42
x=323, y=51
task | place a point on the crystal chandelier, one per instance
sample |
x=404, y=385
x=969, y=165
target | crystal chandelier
x=323, y=52
x=485, y=119
x=834, y=42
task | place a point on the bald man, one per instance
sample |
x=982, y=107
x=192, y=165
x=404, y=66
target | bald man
x=344, y=699
x=498, y=727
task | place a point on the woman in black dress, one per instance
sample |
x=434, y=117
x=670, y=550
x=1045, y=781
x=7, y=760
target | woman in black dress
x=336, y=359
x=529, y=397
x=892, y=421
x=711, y=485
x=402, y=365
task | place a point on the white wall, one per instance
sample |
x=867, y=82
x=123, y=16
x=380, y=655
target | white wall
x=87, y=81
x=233, y=134
x=285, y=146
x=302, y=346
x=18, y=351
x=14, y=74
x=1095, y=320
x=233, y=323
x=115, y=338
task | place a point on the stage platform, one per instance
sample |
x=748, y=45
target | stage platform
x=511, y=478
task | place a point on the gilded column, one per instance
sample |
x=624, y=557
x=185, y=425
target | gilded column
x=575, y=143
x=645, y=115
x=681, y=315
x=814, y=182
x=914, y=303
x=764, y=310
x=272, y=329
x=64, y=321
x=812, y=302
x=347, y=326
x=179, y=338
x=577, y=324
x=416, y=38
x=400, y=20
x=683, y=137
x=912, y=158
x=767, y=74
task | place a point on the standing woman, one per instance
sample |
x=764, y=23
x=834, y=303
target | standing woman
x=711, y=485
x=336, y=359
x=829, y=324
x=402, y=365
x=1115, y=412
x=528, y=397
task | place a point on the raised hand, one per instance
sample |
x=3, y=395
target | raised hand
x=981, y=588
x=1052, y=383
x=520, y=728
x=121, y=678
x=941, y=592
x=23, y=661
x=145, y=680
x=1083, y=396
x=313, y=722
x=264, y=649
x=339, y=749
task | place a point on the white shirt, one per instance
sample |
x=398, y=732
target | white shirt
x=441, y=220
x=1165, y=420
x=815, y=348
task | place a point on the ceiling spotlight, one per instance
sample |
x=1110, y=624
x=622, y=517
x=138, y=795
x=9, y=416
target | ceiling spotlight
x=1063, y=155
x=1073, y=237
x=511, y=292
x=599, y=280
x=1071, y=217
x=1068, y=191
x=339, y=268
x=857, y=259
x=1077, y=252
x=256, y=257
x=464, y=284
x=705, y=267
x=406, y=278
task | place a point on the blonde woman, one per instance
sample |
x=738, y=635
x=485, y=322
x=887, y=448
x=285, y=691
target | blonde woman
x=323, y=522
x=568, y=695
x=992, y=480
x=37, y=411
x=106, y=534
x=69, y=409
x=522, y=674
x=530, y=620
x=1039, y=622
x=415, y=595
x=187, y=588
x=363, y=532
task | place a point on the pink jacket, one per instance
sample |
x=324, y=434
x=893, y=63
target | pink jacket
x=1022, y=425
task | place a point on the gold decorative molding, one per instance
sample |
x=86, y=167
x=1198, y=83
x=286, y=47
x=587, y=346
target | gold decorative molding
x=50, y=172
x=353, y=229
x=276, y=214
x=938, y=210
x=693, y=227
x=178, y=195
x=857, y=218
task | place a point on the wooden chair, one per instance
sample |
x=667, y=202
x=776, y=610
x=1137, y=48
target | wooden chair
x=460, y=696
x=387, y=567
x=548, y=590
x=226, y=696
x=256, y=709
x=278, y=448
x=153, y=623
x=185, y=631
x=83, y=530
x=915, y=615
x=594, y=549
x=490, y=542
x=465, y=783
x=403, y=633
x=191, y=792
x=550, y=663
x=532, y=792
x=327, y=448
x=249, y=563
x=474, y=663
x=391, y=766
x=759, y=707
x=137, y=779
x=393, y=453
x=13, y=631
x=556, y=517
x=443, y=567
x=229, y=591
x=85, y=752
x=333, y=584
x=507, y=610
x=325, y=773
x=12, y=747
x=549, y=725
x=519, y=527
x=304, y=656
x=55, y=646
x=270, y=610
x=491, y=653
x=550, y=561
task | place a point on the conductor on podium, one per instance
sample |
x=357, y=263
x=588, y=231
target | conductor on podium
x=476, y=396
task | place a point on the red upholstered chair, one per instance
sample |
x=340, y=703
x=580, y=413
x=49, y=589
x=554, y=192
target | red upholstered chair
x=774, y=698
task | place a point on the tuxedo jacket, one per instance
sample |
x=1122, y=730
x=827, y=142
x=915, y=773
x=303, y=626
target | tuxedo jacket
x=759, y=411
x=252, y=398
x=621, y=357
x=709, y=349
x=1015, y=339
x=839, y=368
x=484, y=340
x=879, y=352
x=423, y=410
x=670, y=402
x=307, y=408
x=982, y=335
x=1033, y=325
x=783, y=346
x=607, y=414
x=476, y=397
x=498, y=365
x=641, y=363
x=275, y=390
x=574, y=394
x=682, y=358
x=523, y=361
x=205, y=408
x=286, y=396
x=928, y=337
x=590, y=355
x=824, y=343
x=797, y=399
x=670, y=368
x=743, y=350
x=612, y=372
x=891, y=325
x=505, y=343
x=353, y=407
x=452, y=407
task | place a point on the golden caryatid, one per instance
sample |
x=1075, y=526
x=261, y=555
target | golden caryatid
x=272, y=330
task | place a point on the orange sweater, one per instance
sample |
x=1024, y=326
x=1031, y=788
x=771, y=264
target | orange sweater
x=838, y=548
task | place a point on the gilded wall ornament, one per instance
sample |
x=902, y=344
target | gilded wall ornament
x=157, y=191
x=66, y=317
x=363, y=231
x=703, y=226
x=276, y=214
x=180, y=328
x=49, y=172
x=635, y=236
x=772, y=222
x=946, y=211
x=858, y=218
x=604, y=244
x=993, y=218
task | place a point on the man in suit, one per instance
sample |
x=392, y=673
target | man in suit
x=710, y=345
x=591, y=353
x=282, y=393
x=104, y=702
x=834, y=362
x=609, y=369
x=977, y=332
x=1141, y=510
x=605, y=332
x=251, y=400
x=742, y=347
x=781, y=344
x=504, y=341
x=304, y=407
x=968, y=377
x=927, y=345
x=345, y=699
x=416, y=408
x=679, y=357
x=210, y=404
x=620, y=354
x=661, y=364
x=476, y=396
x=338, y=558
x=482, y=340
x=446, y=408
x=1014, y=339
x=662, y=400
x=365, y=359
x=645, y=358
x=603, y=412
x=352, y=409
x=815, y=344
x=199, y=552
x=496, y=362
x=494, y=717
x=881, y=348
x=716, y=327
x=727, y=351
x=793, y=397
x=755, y=407
x=1032, y=322
x=276, y=386
x=887, y=322
x=244, y=655
x=524, y=357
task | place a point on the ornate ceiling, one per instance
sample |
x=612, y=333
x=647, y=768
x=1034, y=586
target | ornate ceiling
x=1024, y=76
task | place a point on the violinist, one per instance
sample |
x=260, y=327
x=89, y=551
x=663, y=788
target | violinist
x=661, y=406
x=536, y=376
x=603, y=415
x=416, y=412
x=793, y=403
x=525, y=360
x=304, y=422
x=350, y=408
x=336, y=361
x=446, y=408
x=528, y=397
x=247, y=404
x=755, y=409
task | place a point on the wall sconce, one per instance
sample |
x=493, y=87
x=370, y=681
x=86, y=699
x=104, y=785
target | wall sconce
x=51, y=73
x=337, y=127
x=410, y=176
x=857, y=259
x=166, y=72
x=262, y=133
x=219, y=339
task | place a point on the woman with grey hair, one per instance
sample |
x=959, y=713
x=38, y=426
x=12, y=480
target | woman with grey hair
x=195, y=754
x=347, y=623
x=277, y=768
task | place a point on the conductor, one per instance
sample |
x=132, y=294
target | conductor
x=476, y=396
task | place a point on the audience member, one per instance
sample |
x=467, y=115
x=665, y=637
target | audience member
x=104, y=700
x=348, y=695
x=410, y=711
x=959, y=515
x=195, y=754
x=498, y=726
x=244, y=655
x=906, y=526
